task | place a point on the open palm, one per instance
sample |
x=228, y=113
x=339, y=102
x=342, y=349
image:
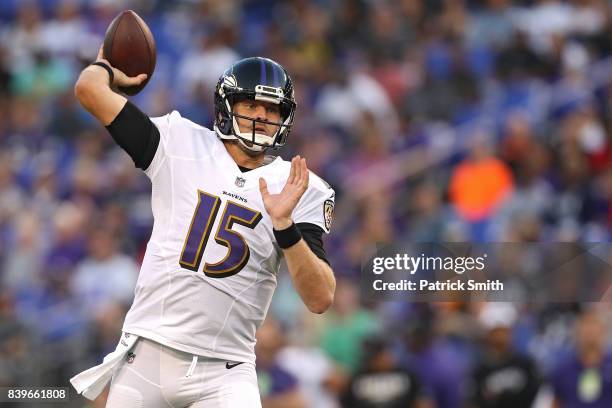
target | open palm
x=280, y=206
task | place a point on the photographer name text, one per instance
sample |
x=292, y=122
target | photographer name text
x=434, y=286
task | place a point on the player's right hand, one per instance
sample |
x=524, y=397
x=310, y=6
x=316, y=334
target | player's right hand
x=121, y=79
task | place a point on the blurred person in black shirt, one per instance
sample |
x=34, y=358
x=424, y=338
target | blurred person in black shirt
x=5, y=75
x=381, y=383
x=502, y=378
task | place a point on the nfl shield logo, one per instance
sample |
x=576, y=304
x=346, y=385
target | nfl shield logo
x=130, y=357
x=240, y=181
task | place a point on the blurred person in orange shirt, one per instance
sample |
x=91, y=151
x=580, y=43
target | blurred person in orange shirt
x=481, y=182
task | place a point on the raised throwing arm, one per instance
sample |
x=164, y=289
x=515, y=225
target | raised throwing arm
x=95, y=93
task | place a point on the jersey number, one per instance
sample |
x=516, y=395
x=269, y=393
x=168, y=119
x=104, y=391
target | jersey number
x=201, y=225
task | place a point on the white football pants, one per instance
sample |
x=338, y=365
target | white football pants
x=156, y=376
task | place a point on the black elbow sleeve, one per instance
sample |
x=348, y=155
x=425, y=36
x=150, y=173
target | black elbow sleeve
x=136, y=134
x=313, y=235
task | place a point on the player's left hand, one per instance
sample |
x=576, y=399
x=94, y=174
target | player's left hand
x=280, y=206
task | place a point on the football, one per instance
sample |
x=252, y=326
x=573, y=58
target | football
x=130, y=47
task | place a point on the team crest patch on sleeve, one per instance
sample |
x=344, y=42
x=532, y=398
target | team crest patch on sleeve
x=328, y=212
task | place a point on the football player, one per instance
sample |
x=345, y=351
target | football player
x=225, y=214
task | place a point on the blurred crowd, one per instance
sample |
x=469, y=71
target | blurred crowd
x=435, y=121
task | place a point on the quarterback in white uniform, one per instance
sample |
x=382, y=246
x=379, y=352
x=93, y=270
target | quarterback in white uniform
x=225, y=214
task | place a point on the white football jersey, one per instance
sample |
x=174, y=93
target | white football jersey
x=209, y=271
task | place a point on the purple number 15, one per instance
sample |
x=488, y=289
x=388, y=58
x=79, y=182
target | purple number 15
x=201, y=225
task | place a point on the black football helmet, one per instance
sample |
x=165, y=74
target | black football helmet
x=259, y=79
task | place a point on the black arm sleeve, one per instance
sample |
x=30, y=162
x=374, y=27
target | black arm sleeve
x=136, y=134
x=313, y=235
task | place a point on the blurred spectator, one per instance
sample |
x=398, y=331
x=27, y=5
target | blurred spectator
x=544, y=21
x=45, y=76
x=432, y=222
x=22, y=267
x=11, y=197
x=66, y=34
x=531, y=203
x=277, y=386
x=491, y=26
x=105, y=276
x=438, y=365
x=584, y=377
x=16, y=365
x=380, y=382
x=347, y=324
x=375, y=226
x=502, y=378
x=213, y=52
x=23, y=37
x=68, y=121
x=5, y=75
x=69, y=236
x=349, y=94
x=320, y=381
x=481, y=183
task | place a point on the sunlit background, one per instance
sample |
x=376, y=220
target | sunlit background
x=435, y=121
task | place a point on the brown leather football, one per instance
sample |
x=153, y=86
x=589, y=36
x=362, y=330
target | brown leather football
x=130, y=47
